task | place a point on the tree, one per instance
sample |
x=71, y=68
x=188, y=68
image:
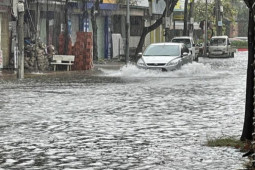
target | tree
x=152, y=27
x=248, y=128
x=242, y=18
x=200, y=13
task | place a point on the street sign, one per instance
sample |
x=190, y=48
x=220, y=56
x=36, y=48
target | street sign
x=220, y=23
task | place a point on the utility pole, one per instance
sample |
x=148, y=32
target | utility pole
x=218, y=13
x=47, y=24
x=191, y=19
x=167, y=23
x=220, y=17
x=21, y=12
x=127, y=32
x=185, y=20
x=205, y=25
x=37, y=34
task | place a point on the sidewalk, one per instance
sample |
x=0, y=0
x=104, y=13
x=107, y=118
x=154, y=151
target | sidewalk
x=105, y=64
x=109, y=64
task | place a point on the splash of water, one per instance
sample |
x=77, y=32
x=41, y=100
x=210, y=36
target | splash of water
x=193, y=69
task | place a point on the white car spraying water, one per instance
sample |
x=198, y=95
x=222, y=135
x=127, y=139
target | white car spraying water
x=164, y=56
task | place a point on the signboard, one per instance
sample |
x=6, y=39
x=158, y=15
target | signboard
x=3, y=8
x=5, y=2
x=109, y=1
x=180, y=5
x=220, y=23
x=142, y=3
x=158, y=6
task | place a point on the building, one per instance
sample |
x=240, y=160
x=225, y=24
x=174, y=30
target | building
x=5, y=17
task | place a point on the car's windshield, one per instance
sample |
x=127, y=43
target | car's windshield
x=162, y=50
x=218, y=42
x=184, y=41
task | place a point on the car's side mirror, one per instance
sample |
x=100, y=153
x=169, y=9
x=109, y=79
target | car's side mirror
x=140, y=54
x=185, y=54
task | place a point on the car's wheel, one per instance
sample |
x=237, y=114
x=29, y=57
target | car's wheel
x=232, y=54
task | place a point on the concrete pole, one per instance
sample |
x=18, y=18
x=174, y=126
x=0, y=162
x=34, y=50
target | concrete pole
x=191, y=19
x=127, y=32
x=220, y=17
x=167, y=19
x=37, y=34
x=206, y=20
x=217, y=16
x=21, y=12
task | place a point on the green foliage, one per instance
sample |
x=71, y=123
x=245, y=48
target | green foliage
x=239, y=44
x=227, y=142
x=200, y=11
x=229, y=13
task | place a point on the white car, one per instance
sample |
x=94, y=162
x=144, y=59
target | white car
x=164, y=56
x=220, y=46
x=190, y=44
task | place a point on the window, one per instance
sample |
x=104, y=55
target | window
x=185, y=41
x=162, y=50
x=136, y=25
x=185, y=49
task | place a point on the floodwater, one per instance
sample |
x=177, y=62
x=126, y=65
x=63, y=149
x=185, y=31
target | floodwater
x=125, y=118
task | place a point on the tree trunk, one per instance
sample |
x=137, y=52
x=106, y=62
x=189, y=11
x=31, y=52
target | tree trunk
x=146, y=30
x=248, y=120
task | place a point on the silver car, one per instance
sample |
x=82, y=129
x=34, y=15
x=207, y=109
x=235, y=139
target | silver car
x=164, y=56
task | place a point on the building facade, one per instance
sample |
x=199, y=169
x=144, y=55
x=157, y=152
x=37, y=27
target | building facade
x=5, y=14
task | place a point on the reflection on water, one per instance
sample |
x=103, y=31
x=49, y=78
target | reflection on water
x=124, y=119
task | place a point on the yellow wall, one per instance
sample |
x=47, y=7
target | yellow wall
x=5, y=38
x=109, y=1
x=152, y=36
x=158, y=34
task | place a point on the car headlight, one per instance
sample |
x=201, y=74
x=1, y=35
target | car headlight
x=140, y=62
x=174, y=62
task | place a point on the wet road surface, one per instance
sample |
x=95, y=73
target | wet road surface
x=124, y=119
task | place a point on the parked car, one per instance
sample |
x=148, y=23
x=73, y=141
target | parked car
x=220, y=46
x=164, y=56
x=190, y=44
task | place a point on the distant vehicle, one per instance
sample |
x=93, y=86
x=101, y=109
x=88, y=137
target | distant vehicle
x=190, y=44
x=220, y=46
x=164, y=56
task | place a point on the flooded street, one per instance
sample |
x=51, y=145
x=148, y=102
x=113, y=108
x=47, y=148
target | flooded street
x=125, y=119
